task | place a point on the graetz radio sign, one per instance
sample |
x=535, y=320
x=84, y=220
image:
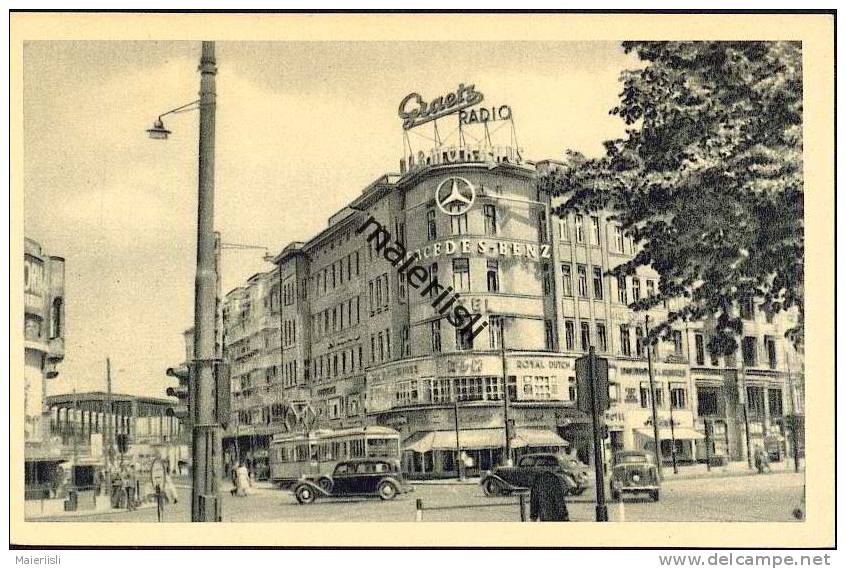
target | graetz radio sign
x=414, y=111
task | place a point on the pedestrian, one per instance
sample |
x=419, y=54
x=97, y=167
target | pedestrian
x=242, y=480
x=548, y=501
x=129, y=488
x=170, y=489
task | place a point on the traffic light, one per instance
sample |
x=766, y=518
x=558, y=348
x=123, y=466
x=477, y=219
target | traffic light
x=182, y=392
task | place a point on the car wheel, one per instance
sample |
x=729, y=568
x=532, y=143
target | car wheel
x=305, y=494
x=387, y=490
x=325, y=484
x=492, y=487
x=655, y=495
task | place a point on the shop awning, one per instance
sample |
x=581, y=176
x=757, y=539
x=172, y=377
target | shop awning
x=469, y=439
x=537, y=438
x=680, y=434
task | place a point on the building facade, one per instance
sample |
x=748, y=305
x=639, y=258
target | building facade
x=337, y=336
x=44, y=349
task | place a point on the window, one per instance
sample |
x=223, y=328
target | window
x=458, y=223
x=594, y=230
x=601, y=337
x=542, y=227
x=644, y=395
x=439, y=391
x=547, y=285
x=381, y=341
x=469, y=388
x=776, y=402
x=755, y=400
x=639, y=341
x=622, y=293
x=406, y=346
x=678, y=397
x=463, y=339
x=493, y=388
x=56, y=318
x=772, y=358
x=585, y=329
x=597, y=283
x=700, y=349
x=461, y=275
x=582, y=284
x=580, y=232
x=750, y=351
x=564, y=228
x=431, y=227
x=570, y=334
x=490, y=219
x=707, y=401
x=549, y=334
x=493, y=276
x=625, y=344
x=436, y=336
x=650, y=288
x=433, y=275
x=618, y=239
x=678, y=349
x=567, y=279
x=495, y=332
x=635, y=289
x=659, y=396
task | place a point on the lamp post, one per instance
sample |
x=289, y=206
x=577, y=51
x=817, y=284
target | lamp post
x=505, y=395
x=655, y=439
x=206, y=505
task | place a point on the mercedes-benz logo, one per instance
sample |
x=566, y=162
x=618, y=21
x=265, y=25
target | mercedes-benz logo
x=455, y=195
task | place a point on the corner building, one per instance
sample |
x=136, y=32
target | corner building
x=362, y=346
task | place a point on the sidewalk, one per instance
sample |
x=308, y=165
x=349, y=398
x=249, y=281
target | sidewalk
x=739, y=468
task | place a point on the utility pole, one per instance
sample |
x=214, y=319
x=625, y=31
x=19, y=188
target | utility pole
x=652, y=400
x=598, y=424
x=505, y=395
x=206, y=504
x=109, y=430
x=745, y=407
x=459, y=471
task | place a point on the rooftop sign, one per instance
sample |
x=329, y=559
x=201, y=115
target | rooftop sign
x=414, y=111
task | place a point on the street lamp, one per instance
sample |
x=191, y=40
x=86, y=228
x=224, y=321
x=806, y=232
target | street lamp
x=206, y=505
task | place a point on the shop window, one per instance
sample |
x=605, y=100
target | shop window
x=512, y=387
x=493, y=388
x=439, y=390
x=566, y=279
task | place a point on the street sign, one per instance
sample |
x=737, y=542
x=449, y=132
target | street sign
x=583, y=387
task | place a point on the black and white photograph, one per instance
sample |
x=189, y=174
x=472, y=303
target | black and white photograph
x=376, y=278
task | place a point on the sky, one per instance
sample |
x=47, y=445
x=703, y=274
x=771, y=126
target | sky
x=301, y=129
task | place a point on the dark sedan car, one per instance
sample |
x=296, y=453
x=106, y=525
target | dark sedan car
x=357, y=477
x=507, y=479
x=633, y=472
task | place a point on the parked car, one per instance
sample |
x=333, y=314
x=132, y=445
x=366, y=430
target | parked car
x=633, y=472
x=380, y=477
x=507, y=479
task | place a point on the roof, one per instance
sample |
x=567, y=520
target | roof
x=103, y=396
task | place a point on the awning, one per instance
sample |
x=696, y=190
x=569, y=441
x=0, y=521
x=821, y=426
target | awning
x=680, y=434
x=469, y=439
x=537, y=438
x=474, y=439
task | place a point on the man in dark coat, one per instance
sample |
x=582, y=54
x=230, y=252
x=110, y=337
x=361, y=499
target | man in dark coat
x=548, y=502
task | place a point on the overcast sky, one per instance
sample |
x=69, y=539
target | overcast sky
x=301, y=129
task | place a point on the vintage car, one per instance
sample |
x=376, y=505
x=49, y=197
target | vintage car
x=633, y=472
x=508, y=479
x=380, y=477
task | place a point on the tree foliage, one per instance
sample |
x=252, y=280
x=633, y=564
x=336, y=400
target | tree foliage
x=707, y=180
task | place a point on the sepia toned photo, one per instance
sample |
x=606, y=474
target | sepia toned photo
x=345, y=277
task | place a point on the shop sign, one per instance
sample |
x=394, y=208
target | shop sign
x=473, y=116
x=615, y=418
x=662, y=371
x=414, y=110
x=542, y=363
x=484, y=247
x=463, y=366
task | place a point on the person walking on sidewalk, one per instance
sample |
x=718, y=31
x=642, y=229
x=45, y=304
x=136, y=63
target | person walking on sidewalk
x=548, y=501
x=170, y=489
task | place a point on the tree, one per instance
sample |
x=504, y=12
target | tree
x=707, y=180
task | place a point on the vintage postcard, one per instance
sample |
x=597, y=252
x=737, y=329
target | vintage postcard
x=422, y=271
